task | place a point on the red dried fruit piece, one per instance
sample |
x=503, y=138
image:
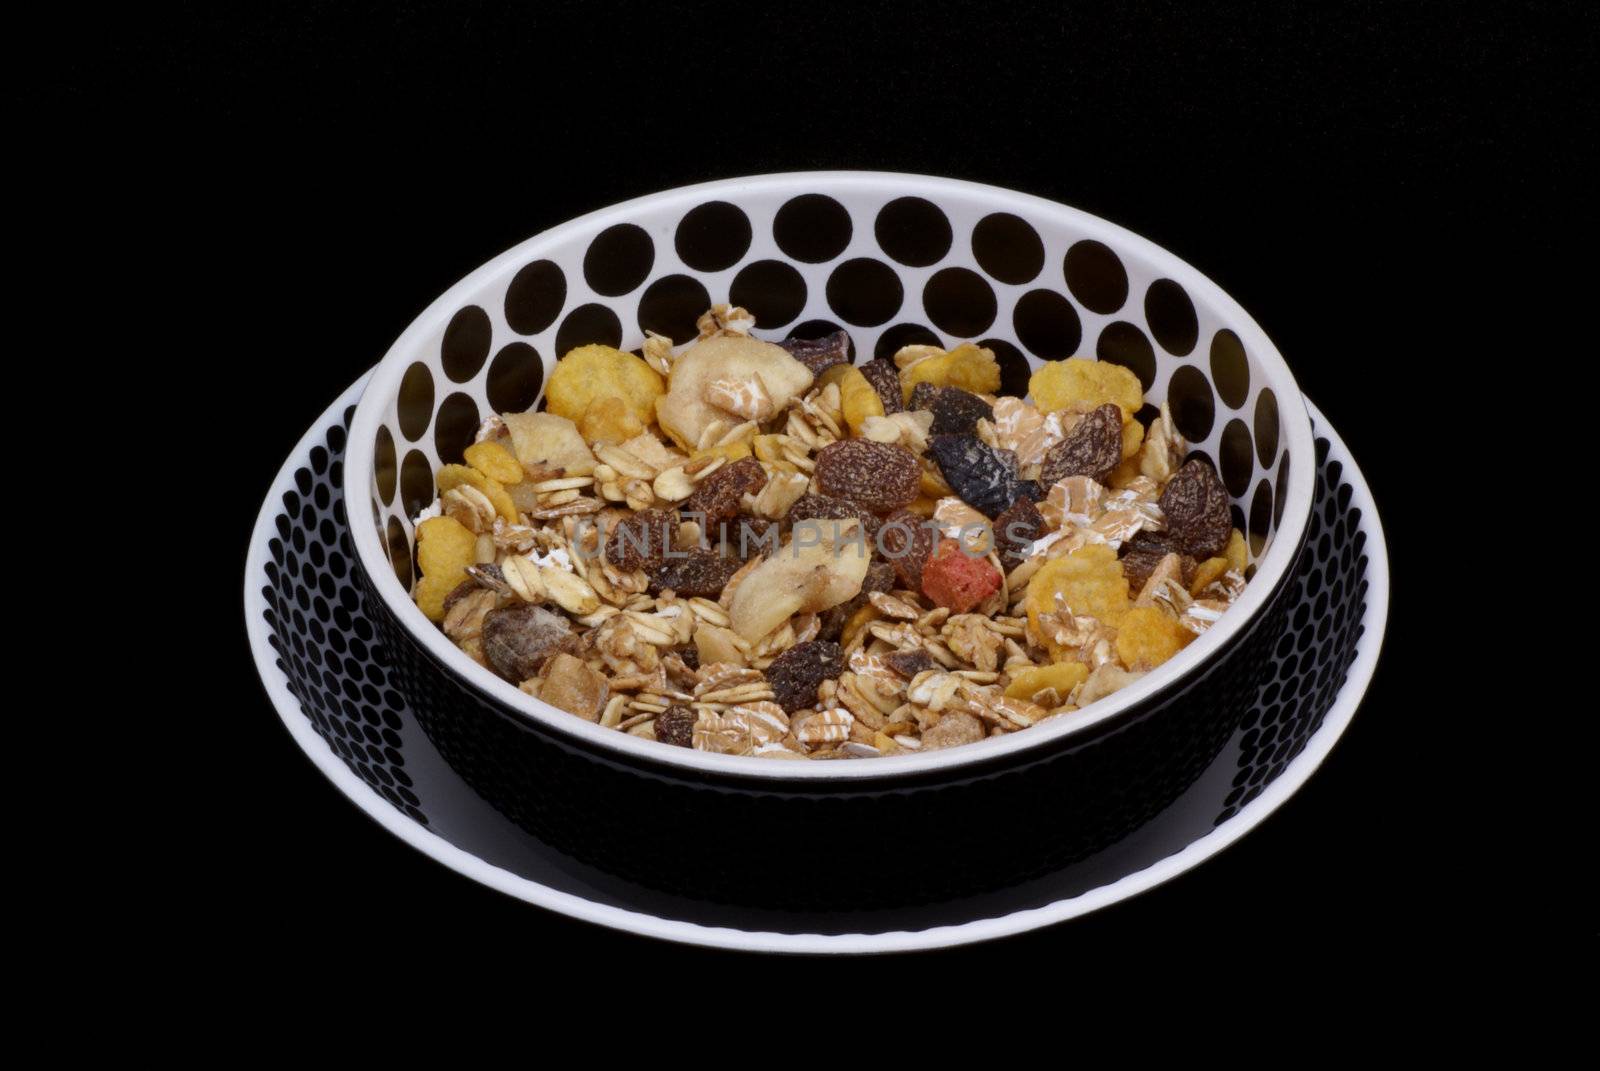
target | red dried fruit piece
x=875, y=476
x=796, y=674
x=640, y=541
x=909, y=663
x=953, y=578
x=717, y=498
x=519, y=639
x=906, y=540
x=675, y=726
x=1093, y=448
x=703, y=574
x=1196, y=506
x=1142, y=553
x=1015, y=530
x=885, y=380
x=810, y=507
x=819, y=354
x=984, y=477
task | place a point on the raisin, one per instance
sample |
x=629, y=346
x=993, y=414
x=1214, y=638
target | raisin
x=984, y=477
x=749, y=537
x=690, y=655
x=1093, y=448
x=819, y=354
x=923, y=395
x=1015, y=530
x=640, y=541
x=956, y=412
x=909, y=663
x=797, y=672
x=810, y=507
x=717, y=497
x=1142, y=553
x=703, y=574
x=519, y=639
x=885, y=379
x=906, y=541
x=675, y=726
x=1196, y=506
x=877, y=476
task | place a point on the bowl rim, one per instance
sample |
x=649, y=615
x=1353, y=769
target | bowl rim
x=1272, y=569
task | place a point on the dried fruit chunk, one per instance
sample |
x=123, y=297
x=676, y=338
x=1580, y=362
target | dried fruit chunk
x=591, y=373
x=955, y=411
x=909, y=663
x=574, y=687
x=1087, y=582
x=675, y=726
x=985, y=478
x=827, y=508
x=703, y=573
x=519, y=639
x=1015, y=531
x=495, y=462
x=907, y=541
x=877, y=476
x=1081, y=385
x=819, y=354
x=1142, y=553
x=880, y=577
x=546, y=442
x=957, y=580
x=1093, y=448
x=885, y=380
x=1061, y=677
x=796, y=673
x=684, y=412
x=1196, y=507
x=717, y=497
x=823, y=566
x=641, y=540
x=1148, y=636
x=609, y=420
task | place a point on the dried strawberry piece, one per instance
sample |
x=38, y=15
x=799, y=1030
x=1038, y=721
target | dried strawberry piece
x=796, y=674
x=641, y=540
x=876, y=476
x=909, y=663
x=1093, y=448
x=955, y=579
x=675, y=726
x=1196, y=507
x=717, y=498
x=885, y=379
x=906, y=540
x=820, y=354
x=984, y=477
x=702, y=574
x=1016, y=529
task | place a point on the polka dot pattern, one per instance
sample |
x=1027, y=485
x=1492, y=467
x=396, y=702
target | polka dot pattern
x=534, y=297
x=813, y=228
x=466, y=344
x=516, y=376
x=865, y=292
x=618, y=260
x=1123, y=343
x=1171, y=316
x=1230, y=369
x=415, y=401
x=959, y=302
x=454, y=428
x=1047, y=324
x=913, y=231
x=1096, y=276
x=1007, y=248
x=671, y=305
x=899, y=336
x=770, y=290
x=713, y=236
x=587, y=324
x=1193, y=408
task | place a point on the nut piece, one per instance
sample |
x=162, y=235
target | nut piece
x=571, y=685
x=519, y=639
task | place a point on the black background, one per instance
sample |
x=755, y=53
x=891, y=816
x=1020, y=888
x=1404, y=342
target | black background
x=288, y=189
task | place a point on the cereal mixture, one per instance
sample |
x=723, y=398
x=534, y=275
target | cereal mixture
x=758, y=548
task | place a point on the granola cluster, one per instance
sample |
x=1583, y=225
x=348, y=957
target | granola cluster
x=758, y=548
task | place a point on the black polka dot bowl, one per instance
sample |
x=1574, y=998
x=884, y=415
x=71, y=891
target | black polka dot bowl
x=894, y=259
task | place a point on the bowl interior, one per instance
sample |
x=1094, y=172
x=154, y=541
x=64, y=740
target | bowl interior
x=893, y=259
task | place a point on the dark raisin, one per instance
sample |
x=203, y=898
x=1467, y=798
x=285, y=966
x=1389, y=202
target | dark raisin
x=689, y=654
x=1196, y=506
x=1093, y=448
x=717, y=498
x=820, y=354
x=746, y=537
x=885, y=379
x=703, y=574
x=984, y=477
x=1142, y=553
x=906, y=541
x=675, y=726
x=956, y=412
x=640, y=541
x=519, y=639
x=909, y=663
x=1015, y=530
x=923, y=396
x=797, y=672
x=875, y=476
x=810, y=507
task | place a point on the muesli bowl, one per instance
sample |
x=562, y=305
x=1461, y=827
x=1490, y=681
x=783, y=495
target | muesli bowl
x=894, y=260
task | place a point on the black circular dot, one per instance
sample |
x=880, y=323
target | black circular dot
x=455, y=428
x=1230, y=370
x=535, y=297
x=1234, y=456
x=1122, y=343
x=770, y=290
x=1260, y=516
x=466, y=343
x=1170, y=314
x=1008, y=248
x=618, y=260
x=820, y=329
x=1014, y=368
x=1096, y=277
x=515, y=376
x=1280, y=494
x=416, y=483
x=1047, y=324
x=671, y=305
x=812, y=227
x=1189, y=395
x=864, y=292
x=712, y=236
x=399, y=552
x=1266, y=426
x=384, y=464
x=959, y=302
x=414, y=403
x=895, y=338
x=913, y=231
x=588, y=324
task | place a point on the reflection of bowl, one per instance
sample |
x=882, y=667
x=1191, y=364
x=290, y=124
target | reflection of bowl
x=895, y=259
